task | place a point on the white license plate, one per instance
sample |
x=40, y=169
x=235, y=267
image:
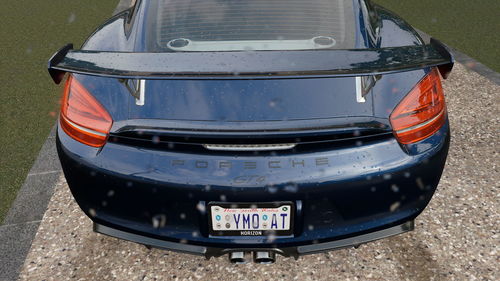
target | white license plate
x=251, y=219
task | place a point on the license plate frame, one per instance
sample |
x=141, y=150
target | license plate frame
x=253, y=205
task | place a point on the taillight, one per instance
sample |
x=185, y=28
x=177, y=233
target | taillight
x=422, y=112
x=82, y=116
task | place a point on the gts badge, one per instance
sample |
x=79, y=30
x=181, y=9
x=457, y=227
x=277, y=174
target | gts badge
x=252, y=179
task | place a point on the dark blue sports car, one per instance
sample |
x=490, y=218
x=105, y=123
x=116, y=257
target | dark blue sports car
x=266, y=126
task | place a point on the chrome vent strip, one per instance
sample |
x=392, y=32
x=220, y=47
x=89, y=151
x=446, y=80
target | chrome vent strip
x=249, y=147
x=359, y=90
x=141, y=88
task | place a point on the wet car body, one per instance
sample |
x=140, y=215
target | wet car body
x=347, y=177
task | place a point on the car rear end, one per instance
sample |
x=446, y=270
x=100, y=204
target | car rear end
x=282, y=164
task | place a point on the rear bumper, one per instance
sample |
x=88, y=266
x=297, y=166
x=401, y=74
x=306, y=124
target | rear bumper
x=158, y=197
x=295, y=252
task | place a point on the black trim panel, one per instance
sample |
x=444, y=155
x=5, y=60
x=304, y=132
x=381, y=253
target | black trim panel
x=209, y=252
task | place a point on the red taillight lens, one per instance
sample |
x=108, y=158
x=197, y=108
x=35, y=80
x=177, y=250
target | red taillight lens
x=422, y=112
x=82, y=116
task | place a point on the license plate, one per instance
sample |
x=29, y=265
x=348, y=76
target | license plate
x=251, y=219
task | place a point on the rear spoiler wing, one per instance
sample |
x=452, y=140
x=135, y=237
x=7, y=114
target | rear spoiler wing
x=250, y=64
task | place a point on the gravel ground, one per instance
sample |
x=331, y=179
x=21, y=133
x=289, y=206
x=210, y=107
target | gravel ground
x=456, y=237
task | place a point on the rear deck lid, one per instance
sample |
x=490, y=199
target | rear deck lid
x=250, y=100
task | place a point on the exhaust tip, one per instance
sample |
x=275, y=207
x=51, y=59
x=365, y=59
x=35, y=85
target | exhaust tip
x=264, y=257
x=237, y=257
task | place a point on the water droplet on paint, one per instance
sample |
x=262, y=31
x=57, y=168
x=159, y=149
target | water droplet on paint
x=394, y=206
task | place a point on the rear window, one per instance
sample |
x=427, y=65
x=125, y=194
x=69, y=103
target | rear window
x=236, y=25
